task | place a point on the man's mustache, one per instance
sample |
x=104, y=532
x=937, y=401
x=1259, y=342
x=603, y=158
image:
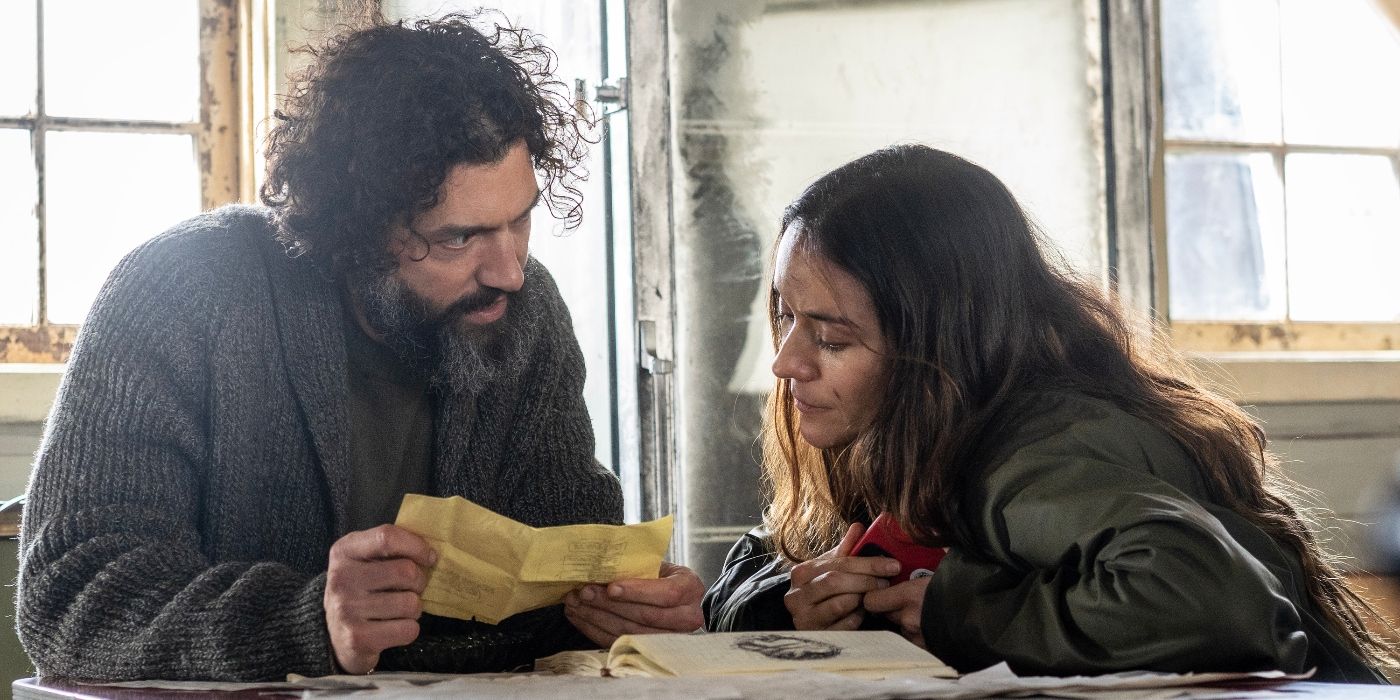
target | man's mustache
x=475, y=301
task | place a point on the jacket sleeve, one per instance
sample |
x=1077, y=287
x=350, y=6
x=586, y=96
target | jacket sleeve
x=748, y=595
x=113, y=581
x=1094, y=565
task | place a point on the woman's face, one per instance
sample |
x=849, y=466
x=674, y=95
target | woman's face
x=831, y=351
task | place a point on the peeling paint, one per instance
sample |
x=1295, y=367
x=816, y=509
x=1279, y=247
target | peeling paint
x=44, y=344
x=218, y=138
x=1276, y=336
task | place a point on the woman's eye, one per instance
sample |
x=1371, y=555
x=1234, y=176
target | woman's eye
x=830, y=346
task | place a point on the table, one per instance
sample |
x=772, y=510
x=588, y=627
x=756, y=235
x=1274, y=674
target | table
x=33, y=688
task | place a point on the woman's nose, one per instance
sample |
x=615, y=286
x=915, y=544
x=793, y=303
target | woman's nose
x=792, y=363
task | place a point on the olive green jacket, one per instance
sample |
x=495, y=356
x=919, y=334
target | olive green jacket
x=1097, y=550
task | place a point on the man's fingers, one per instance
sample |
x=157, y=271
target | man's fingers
x=357, y=646
x=635, y=606
x=684, y=618
x=356, y=664
x=671, y=569
x=600, y=636
x=608, y=621
x=375, y=607
x=678, y=586
x=360, y=577
x=384, y=542
x=382, y=634
x=373, y=581
x=403, y=605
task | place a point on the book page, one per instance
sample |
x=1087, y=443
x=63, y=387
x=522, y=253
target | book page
x=759, y=652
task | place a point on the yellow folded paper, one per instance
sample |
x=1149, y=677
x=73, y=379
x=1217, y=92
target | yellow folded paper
x=491, y=567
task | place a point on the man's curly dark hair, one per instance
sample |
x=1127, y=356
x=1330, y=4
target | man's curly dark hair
x=371, y=128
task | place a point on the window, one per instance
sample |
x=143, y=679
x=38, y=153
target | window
x=102, y=145
x=1281, y=121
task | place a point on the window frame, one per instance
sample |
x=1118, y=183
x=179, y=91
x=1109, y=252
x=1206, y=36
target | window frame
x=1271, y=336
x=1248, y=362
x=227, y=32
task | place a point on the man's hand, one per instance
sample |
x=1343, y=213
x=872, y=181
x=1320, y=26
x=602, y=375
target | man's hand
x=670, y=603
x=373, y=583
x=825, y=593
x=902, y=604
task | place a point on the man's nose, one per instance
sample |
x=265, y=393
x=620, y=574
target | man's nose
x=502, y=264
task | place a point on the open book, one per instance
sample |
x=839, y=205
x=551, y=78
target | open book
x=866, y=654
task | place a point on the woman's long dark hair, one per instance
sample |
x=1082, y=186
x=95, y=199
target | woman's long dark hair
x=976, y=318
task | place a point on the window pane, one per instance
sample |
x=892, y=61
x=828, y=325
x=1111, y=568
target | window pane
x=149, y=59
x=1225, y=237
x=1220, y=69
x=19, y=230
x=1343, y=238
x=106, y=194
x=17, y=54
x=1340, y=59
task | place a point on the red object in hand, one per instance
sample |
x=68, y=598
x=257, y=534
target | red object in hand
x=884, y=538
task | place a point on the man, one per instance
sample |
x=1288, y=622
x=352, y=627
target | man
x=255, y=390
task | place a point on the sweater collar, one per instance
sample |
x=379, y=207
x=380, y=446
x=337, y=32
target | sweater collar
x=310, y=315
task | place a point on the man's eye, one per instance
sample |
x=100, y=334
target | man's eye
x=454, y=242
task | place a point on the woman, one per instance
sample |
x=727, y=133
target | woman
x=1101, y=511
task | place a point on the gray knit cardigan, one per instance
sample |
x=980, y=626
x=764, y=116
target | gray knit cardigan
x=194, y=470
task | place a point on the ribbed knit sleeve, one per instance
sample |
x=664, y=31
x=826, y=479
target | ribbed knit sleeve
x=114, y=582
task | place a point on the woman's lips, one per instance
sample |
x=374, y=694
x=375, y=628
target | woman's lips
x=805, y=407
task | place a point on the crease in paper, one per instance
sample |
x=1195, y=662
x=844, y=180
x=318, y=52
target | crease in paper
x=491, y=567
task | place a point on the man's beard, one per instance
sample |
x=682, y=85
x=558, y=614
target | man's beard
x=442, y=346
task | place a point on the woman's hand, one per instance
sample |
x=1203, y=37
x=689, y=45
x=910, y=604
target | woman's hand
x=826, y=592
x=902, y=604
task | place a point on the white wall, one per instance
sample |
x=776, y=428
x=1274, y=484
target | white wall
x=1008, y=84
x=577, y=259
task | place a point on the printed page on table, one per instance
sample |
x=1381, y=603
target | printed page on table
x=491, y=567
x=722, y=653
